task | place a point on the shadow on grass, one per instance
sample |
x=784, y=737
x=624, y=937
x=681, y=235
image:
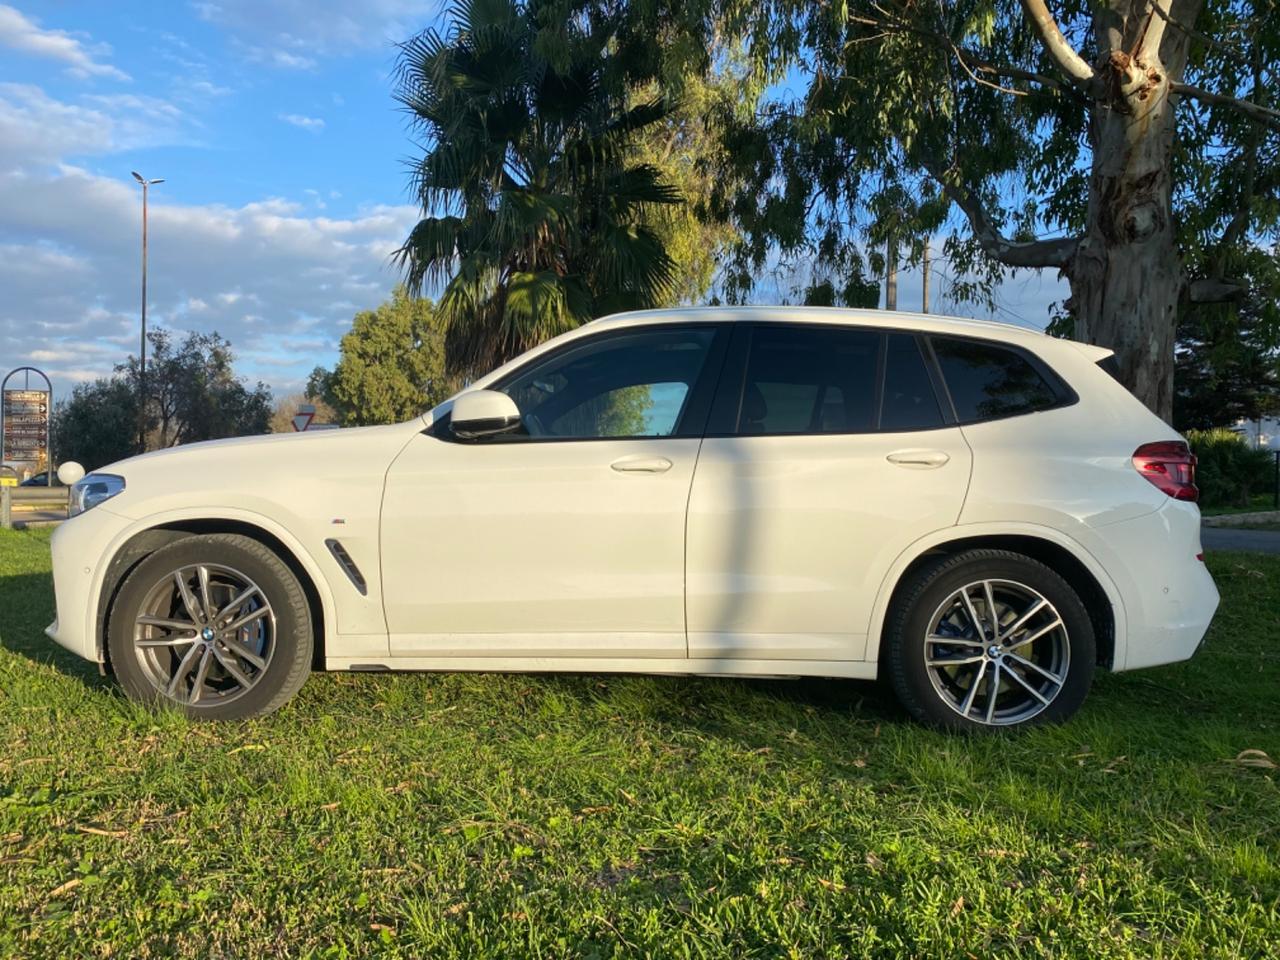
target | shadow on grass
x=26, y=608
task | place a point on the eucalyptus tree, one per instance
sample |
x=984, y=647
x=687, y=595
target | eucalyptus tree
x=1130, y=145
x=537, y=216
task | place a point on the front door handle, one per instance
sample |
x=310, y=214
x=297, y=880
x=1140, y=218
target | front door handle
x=642, y=465
x=918, y=459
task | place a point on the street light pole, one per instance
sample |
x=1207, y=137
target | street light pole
x=142, y=358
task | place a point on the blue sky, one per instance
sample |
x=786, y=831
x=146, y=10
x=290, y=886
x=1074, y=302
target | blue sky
x=284, y=158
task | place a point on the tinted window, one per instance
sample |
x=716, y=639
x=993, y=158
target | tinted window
x=909, y=400
x=987, y=381
x=628, y=385
x=809, y=380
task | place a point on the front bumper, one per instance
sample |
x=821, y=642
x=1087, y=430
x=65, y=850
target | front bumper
x=82, y=549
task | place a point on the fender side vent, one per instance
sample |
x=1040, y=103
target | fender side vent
x=348, y=566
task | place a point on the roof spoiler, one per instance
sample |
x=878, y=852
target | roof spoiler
x=1094, y=352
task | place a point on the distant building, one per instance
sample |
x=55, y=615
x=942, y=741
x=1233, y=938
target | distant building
x=1263, y=434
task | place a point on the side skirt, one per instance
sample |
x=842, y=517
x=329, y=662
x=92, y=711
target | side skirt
x=851, y=669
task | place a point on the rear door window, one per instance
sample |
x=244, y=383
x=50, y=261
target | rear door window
x=809, y=380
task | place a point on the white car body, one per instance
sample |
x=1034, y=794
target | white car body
x=755, y=555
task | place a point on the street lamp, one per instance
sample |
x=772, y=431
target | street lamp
x=142, y=360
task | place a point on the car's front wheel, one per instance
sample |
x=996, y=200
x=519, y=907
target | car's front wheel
x=989, y=639
x=215, y=625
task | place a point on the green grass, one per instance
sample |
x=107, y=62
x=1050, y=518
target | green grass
x=593, y=816
x=1258, y=503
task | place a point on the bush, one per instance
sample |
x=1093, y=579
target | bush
x=1229, y=471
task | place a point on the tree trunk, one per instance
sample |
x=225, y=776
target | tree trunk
x=1127, y=277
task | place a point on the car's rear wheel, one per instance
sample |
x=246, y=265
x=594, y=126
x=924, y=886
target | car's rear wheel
x=989, y=639
x=216, y=625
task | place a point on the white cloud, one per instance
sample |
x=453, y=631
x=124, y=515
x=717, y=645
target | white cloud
x=18, y=32
x=293, y=33
x=279, y=282
x=314, y=124
x=36, y=129
x=276, y=57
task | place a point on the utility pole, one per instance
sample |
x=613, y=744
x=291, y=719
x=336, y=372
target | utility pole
x=924, y=300
x=142, y=356
x=891, y=270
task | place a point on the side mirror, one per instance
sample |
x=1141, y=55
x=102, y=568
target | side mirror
x=483, y=413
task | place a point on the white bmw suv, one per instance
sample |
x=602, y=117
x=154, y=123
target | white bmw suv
x=979, y=513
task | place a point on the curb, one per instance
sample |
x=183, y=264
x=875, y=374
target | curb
x=1236, y=519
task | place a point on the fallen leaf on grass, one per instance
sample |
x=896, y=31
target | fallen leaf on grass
x=455, y=909
x=247, y=746
x=65, y=888
x=874, y=862
x=99, y=832
x=831, y=884
x=1255, y=758
x=957, y=907
x=329, y=807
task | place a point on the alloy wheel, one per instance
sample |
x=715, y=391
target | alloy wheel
x=997, y=652
x=204, y=635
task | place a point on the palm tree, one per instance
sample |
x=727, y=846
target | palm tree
x=534, y=207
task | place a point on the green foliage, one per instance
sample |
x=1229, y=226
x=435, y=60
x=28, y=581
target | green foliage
x=97, y=424
x=452, y=816
x=193, y=394
x=1228, y=361
x=538, y=216
x=390, y=366
x=1229, y=470
x=686, y=147
x=885, y=114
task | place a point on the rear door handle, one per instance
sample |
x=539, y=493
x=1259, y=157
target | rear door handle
x=642, y=465
x=918, y=459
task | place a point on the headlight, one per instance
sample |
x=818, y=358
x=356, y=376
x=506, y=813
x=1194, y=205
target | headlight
x=94, y=489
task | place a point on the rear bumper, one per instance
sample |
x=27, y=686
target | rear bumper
x=1168, y=594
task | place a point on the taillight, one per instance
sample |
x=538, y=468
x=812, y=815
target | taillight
x=1171, y=466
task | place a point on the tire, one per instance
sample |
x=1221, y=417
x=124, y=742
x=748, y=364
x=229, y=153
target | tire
x=941, y=668
x=248, y=658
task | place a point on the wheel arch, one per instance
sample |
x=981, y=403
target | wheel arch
x=1068, y=558
x=137, y=544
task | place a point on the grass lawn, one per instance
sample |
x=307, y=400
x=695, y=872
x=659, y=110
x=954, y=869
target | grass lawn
x=572, y=816
x=1257, y=503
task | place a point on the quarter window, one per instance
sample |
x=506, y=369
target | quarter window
x=987, y=382
x=626, y=385
x=809, y=380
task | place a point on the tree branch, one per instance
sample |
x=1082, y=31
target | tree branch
x=1262, y=115
x=1063, y=54
x=1209, y=290
x=971, y=60
x=1035, y=253
x=1194, y=34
